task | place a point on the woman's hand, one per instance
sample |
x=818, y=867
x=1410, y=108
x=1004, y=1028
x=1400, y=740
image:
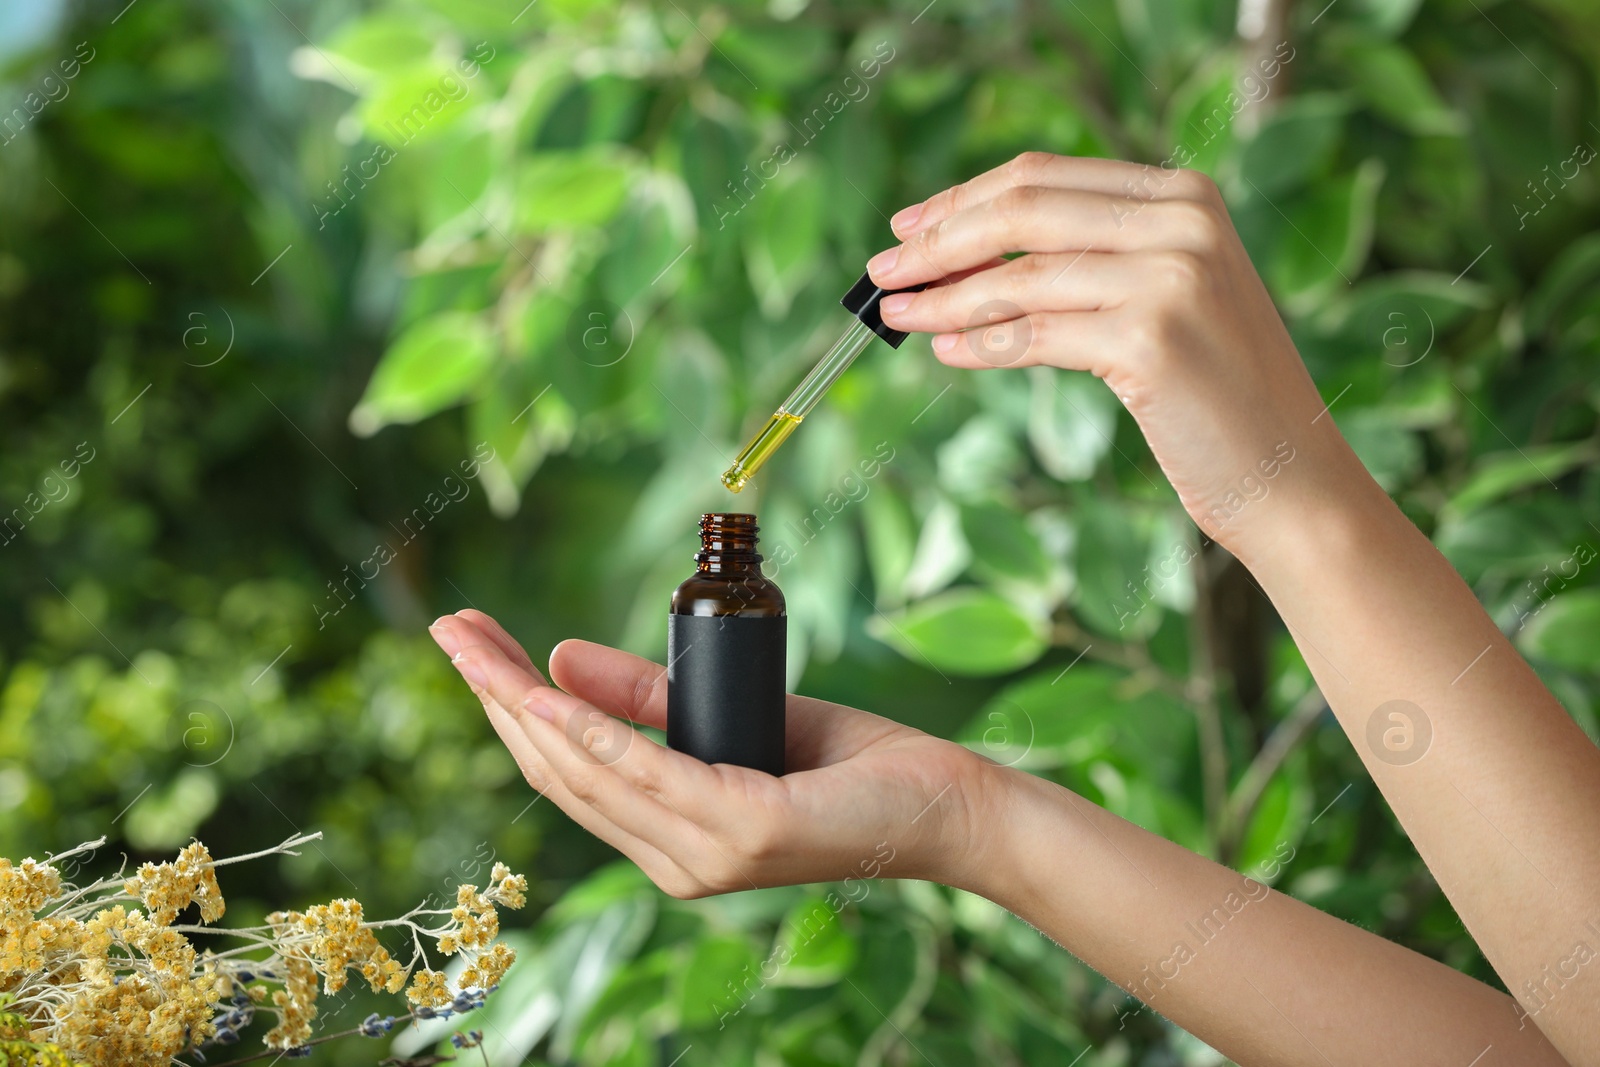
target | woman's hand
x=865, y=797
x=870, y=798
x=1135, y=274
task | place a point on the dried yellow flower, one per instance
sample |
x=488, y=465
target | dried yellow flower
x=109, y=985
x=168, y=888
x=429, y=989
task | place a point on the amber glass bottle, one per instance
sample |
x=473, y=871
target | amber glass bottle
x=725, y=652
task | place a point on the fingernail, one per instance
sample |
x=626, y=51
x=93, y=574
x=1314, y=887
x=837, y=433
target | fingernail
x=536, y=704
x=896, y=302
x=444, y=637
x=906, y=216
x=884, y=261
x=471, y=670
x=944, y=342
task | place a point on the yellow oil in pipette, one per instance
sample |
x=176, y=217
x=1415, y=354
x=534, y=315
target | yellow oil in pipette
x=761, y=446
x=802, y=400
x=862, y=302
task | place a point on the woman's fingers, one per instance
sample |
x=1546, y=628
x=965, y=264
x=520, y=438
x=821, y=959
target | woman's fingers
x=618, y=683
x=1133, y=181
x=1031, y=218
x=1071, y=340
x=465, y=628
x=590, y=751
x=960, y=275
x=1061, y=281
x=536, y=769
x=705, y=819
x=539, y=775
x=491, y=628
x=459, y=635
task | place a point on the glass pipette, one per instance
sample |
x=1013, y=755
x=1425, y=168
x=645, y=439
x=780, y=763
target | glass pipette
x=862, y=300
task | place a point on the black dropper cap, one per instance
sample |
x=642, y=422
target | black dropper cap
x=862, y=302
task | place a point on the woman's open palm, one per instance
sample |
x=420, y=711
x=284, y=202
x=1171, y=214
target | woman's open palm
x=864, y=796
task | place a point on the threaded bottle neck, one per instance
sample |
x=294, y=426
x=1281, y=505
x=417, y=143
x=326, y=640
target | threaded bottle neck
x=727, y=543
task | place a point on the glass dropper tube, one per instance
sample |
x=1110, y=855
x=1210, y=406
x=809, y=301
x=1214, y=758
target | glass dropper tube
x=801, y=401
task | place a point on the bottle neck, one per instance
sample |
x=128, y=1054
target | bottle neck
x=728, y=545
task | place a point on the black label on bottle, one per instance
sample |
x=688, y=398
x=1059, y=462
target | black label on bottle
x=725, y=692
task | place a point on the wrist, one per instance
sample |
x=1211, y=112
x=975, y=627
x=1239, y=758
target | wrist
x=1324, y=504
x=1005, y=817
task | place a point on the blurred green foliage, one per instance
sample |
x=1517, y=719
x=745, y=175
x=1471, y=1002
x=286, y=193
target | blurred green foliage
x=272, y=277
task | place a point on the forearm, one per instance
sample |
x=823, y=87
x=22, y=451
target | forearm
x=1503, y=799
x=1256, y=974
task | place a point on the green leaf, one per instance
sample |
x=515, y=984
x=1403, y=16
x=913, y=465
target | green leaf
x=455, y=178
x=691, y=386
x=891, y=535
x=1201, y=117
x=817, y=582
x=1402, y=313
x=650, y=241
x=941, y=552
x=1501, y=473
x=856, y=160
x=1112, y=558
x=721, y=976
x=711, y=153
x=1297, y=143
x=1390, y=452
x=783, y=238
x=615, y=882
x=1009, y=113
x=1004, y=400
x=418, y=104
x=1276, y=824
x=1170, y=582
x=1003, y=546
x=1498, y=539
x=918, y=89
x=1076, y=713
x=638, y=991
x=613, y=939
x=1572, y=278
x=458, y=289
x=571, y=189
x=1072, y=420
x=624, y=1043
x=978, y=458
x=1388, y=18
x=168, y=817
x=383, y=43
x=1320, y=239
x=818, y=950
x=522, y=422
x=1394, y=84
x=431, y=366
x=787, y=56
x=1564, y=631
x=891, y=983
x=963, y=631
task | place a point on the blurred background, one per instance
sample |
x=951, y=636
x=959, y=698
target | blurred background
x=345, y=315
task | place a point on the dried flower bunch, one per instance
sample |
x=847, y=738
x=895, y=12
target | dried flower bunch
x=87, y=979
